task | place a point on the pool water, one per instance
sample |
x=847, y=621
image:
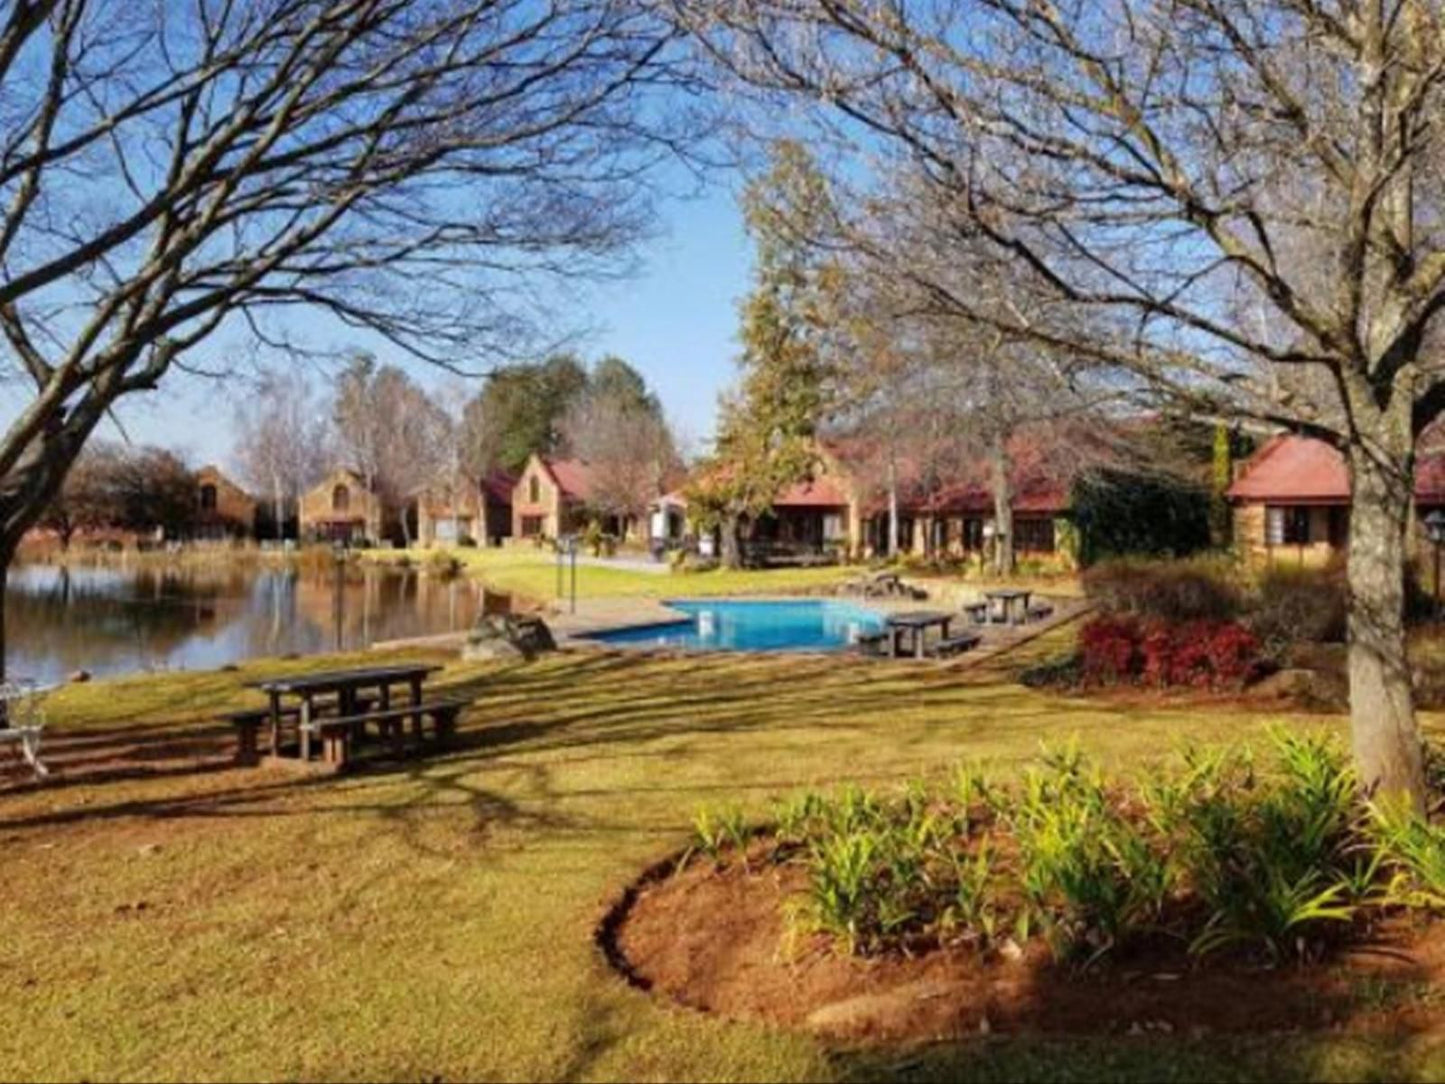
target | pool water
x=798, y=625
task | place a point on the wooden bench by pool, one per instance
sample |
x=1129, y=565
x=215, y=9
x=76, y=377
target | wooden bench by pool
x=956, y=645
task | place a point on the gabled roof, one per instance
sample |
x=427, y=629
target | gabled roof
x=573, y=477
x=1293, y=468
x=820, y=492
x=1303, y=470
x=499, y=485
x=1040, y=477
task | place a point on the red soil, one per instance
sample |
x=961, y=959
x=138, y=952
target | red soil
x=717, y=941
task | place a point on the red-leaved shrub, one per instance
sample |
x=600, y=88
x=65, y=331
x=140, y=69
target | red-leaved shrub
x=1109, y=650
x=1208, y=654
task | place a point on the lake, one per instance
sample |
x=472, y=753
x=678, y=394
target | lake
x=118, y=620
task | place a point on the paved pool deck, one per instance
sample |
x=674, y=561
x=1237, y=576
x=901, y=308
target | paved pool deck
x=593, y=615
x=572, y=630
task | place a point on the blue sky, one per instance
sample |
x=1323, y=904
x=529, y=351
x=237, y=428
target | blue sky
x=676, y=321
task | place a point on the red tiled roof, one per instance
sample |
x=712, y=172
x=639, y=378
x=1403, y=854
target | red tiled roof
x=573, y=477
x=499, y=485
x=1430, y=478
x=1304, y=470
x=817, y=493
x=1294, y=468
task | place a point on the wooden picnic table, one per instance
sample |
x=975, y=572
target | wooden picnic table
x=916, y=623
x=1007, y=596
x=348, y=685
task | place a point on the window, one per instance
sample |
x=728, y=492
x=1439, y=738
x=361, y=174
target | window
x=1339, y=527
x=973, y=534
x=208, y=497
x=1034, y=535
x=534, y=489
x=1287, y=525
x=340, y=499
x=531, y=525
x=833, y=529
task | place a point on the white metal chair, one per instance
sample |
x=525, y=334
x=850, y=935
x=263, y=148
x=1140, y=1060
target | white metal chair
x=25, y=713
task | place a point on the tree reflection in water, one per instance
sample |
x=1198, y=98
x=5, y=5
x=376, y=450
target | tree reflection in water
x=111, y=620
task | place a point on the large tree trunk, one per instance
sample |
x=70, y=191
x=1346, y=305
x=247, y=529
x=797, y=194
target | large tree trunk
x=1003, y=514
x=1386, y=739
x=4, y=575
x=730, y=542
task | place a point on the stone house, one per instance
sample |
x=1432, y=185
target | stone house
x=1290, y=501
x=446, y=514
x=340, y=508
x=555, y=497
x=223, y=509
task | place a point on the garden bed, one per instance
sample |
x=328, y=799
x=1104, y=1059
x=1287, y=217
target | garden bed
x=716, y=941
x=1218, y=894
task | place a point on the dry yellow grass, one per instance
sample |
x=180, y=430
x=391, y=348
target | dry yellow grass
x=168, y=916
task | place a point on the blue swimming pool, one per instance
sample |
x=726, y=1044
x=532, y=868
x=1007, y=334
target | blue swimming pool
x=796, y=625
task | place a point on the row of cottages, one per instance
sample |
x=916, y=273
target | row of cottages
x=342, y=508
x=836, y=511
x=1291, y=501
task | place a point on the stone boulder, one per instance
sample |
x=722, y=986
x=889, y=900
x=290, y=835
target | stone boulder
x=508, y=636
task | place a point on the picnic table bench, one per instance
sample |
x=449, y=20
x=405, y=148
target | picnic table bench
x=1007, y=599
x=916, y=623
x=338, y=735
x=248, y=723
x=956, y=645
x=332, y=710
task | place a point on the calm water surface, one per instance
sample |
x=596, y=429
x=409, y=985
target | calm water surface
x=113, y=620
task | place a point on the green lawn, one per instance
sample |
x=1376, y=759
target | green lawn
x=532, y=572
x=171, y=917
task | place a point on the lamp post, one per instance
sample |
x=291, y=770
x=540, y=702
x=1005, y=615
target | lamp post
x=1435, y=531
x=567, y=553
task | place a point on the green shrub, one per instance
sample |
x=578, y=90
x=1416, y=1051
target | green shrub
x=1268, y=862
x=1213, y=852
x=1414, y=851
x=1298, y=605
x=1197, y=589
x=1088, y=875
x=442, y=564
x=717, y=831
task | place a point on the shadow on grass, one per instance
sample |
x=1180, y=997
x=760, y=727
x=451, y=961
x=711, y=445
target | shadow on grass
x=1152, y=1058
x=529, y=717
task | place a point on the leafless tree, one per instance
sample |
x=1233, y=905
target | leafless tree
x=390, y=433
x=415, y=446
x=403, y=166
x=628, y=446
x=283, y=440
x=1249, y=191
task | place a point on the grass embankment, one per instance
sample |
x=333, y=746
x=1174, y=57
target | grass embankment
x=168, y=916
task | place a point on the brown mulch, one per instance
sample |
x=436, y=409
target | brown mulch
x=717, y=941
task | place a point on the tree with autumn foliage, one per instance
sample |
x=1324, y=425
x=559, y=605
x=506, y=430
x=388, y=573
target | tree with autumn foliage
x=768, y=423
